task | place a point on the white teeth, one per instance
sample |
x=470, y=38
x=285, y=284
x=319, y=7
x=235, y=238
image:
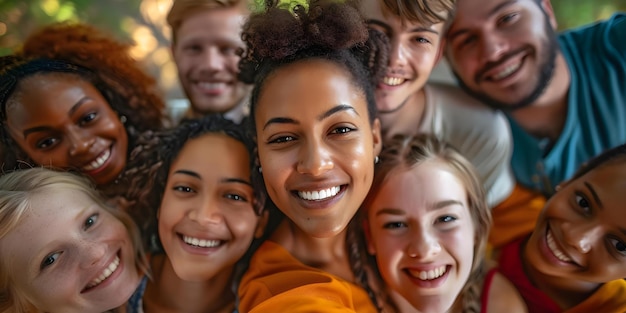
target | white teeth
x=429, y=275
x=201, y=242
x=507, y=71
x=211, y=86
x=106, y=273
x=319, y=195
x=555, y=250
x=393, y=81
x=98, y=162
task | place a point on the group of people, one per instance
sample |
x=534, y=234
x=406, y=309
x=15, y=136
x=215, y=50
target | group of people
x=318, y=169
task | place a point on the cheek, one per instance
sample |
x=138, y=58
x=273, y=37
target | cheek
x=169, y=214
x=242, y=224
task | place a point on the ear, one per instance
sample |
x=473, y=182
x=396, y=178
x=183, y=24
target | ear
x=378, y=141
x=546, y=6
x=261, y=224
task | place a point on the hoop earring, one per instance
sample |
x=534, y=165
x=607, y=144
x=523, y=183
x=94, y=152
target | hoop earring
x=376, y=160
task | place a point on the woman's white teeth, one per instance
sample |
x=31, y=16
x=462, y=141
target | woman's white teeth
x=98, y=162
x=201, y=242
x=507, y=71
x=319, y=194
x=429, y=275
x=393, y=81
x=555, y=250
x=106, y=273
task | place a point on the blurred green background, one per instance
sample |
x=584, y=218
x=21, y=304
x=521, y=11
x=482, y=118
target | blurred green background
x=143, y=23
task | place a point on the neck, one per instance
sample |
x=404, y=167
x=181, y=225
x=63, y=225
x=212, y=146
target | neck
x=328, y=254
x=168, y=293
x=545, y=118
x=406, y=119
x=564, y=291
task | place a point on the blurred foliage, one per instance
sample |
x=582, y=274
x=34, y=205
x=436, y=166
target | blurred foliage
x=143, y=22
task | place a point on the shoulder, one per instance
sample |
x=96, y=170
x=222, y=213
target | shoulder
x=502, y=296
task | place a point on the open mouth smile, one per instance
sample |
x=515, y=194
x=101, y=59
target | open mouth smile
x=319, y=195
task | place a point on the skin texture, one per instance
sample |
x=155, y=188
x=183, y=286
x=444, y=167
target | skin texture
x=504, y=52
x=71, y=241
x=314, y=134
x=65, y=122
x=205, y=55
x=586, y=221
x=413, y=233
x=415, y=50
x=208, y=197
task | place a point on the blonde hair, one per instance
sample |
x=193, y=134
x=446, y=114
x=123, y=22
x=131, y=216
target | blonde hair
x=410, y=151
x=16, y=191
x=181, y=9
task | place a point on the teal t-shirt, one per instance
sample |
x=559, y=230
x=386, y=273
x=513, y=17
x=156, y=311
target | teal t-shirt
x=596, y=117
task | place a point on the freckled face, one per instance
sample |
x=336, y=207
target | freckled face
x=316, y=145
x=79, y=257
x=421, y=233
x=581, y=233
x=63, y=121
x=415, y=50
x=206, y=219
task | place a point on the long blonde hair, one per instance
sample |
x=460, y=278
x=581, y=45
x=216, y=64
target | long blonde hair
x=16, y=191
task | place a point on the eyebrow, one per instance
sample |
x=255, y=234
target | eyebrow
x=493, y=11
x=388, y=30
x=594, y=194
x=439, y=205
x=72, y=110
x=225, y=180
x=333, y=110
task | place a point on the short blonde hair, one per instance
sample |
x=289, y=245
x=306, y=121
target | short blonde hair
x=181, y=9
x=16, y=191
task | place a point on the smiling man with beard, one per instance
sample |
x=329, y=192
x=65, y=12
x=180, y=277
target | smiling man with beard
x=563, y=93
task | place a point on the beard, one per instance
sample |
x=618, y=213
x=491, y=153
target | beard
x=545, y=71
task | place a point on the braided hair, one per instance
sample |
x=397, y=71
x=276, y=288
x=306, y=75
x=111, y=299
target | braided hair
x=282, y=34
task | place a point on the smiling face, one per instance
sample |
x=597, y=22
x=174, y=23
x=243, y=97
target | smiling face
x=421, y=233
x=503, y=52
x=581, y=233
x=79, y=257
x=205, y=52
x=206, y=219
x=316, y=145
x=415, y=50
x=60, y=120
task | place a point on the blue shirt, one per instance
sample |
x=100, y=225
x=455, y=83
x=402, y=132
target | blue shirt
x=596, y=112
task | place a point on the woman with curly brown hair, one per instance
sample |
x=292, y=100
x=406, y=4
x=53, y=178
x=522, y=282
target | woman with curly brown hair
x=73, y=98
x=313, y=114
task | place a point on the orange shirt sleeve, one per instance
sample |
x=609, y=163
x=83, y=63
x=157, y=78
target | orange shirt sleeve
x=516, y=216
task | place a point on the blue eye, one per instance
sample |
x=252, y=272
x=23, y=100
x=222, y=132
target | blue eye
x=90, y=221
x=49, y=260
x=422, y=40
x=446, y=219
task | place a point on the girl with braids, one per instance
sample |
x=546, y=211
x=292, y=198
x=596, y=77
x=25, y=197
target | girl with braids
x=73, y=98
x=575, y=259
x=64, y=249
x=313, y=115
x=206, y=220
x=426, y=224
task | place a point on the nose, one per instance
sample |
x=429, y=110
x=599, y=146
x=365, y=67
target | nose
x=206, y=211
x=213, y=59
x=80, y=141
x=94, y=253
x=424, y=245
x=314, y=159
x=397, y=54
x=582, y=236
x=493, y=47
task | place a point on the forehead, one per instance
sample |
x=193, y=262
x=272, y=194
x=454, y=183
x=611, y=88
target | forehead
x=214, y=153
x=306, y=89
x=376, y=11
x=213, y=23
x=480, y=10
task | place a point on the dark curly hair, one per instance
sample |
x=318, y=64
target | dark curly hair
x=89, y=54
x=327, y=30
